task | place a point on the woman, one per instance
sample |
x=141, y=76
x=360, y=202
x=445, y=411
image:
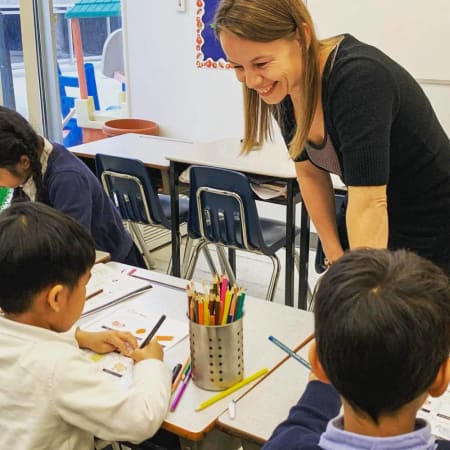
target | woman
x=344, y=107
x=41, y=171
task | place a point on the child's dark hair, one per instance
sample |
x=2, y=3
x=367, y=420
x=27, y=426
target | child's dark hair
x=39, y=246
x=17, y=138
x=382, y=323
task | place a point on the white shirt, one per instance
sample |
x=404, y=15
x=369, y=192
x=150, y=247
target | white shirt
x=52, y=397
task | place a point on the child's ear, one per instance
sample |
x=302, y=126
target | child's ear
x=316, y=366
x=55, y=297
x=442, y=380
x=24, y=162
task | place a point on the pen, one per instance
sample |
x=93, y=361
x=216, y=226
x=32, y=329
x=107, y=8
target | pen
x=178, y=378
x=226, y=392
x=175, y=371
x=97, y=292
x=153, y=331
x=290, y=352
x=186, y=370
x=180, y=391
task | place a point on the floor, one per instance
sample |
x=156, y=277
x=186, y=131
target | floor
x=253, y=271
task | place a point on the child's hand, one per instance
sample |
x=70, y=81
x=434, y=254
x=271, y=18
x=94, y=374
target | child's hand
x=152, y=350
x=107, y=341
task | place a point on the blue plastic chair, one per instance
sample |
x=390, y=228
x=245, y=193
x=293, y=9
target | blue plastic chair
x=72, y=132
x=129, y=186
x=223, y=212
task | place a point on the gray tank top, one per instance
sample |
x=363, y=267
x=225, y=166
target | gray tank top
x=325, y=156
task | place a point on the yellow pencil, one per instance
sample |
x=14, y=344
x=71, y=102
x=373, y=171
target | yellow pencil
x=226, y=308
x=226, y=392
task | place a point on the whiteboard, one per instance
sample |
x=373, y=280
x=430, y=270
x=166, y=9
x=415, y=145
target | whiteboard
x=414, y=33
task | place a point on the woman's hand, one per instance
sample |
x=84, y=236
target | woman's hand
x=107, y=341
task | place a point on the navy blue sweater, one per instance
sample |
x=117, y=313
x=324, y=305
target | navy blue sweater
x=309, y=418
x=72, y=188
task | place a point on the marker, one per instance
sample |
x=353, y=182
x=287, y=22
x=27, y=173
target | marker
x=290, y=352
x=180, y=372
x=186, y=370
x=175, y=371
x=177, y=399
x=153, y=331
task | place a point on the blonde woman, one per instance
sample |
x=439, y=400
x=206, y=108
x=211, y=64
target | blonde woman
x=346, y=108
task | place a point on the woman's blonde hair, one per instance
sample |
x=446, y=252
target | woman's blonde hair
x=265, y=21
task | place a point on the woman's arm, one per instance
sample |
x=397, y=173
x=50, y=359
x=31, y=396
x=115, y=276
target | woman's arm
x=318, y=195
x=367, y=217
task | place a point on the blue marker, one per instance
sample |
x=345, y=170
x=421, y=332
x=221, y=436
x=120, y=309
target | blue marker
x=290, y=352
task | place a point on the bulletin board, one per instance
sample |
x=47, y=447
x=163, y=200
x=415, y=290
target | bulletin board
x=209, y=53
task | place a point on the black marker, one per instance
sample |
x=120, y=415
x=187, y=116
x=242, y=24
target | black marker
x=153, y=332
x=175, y=371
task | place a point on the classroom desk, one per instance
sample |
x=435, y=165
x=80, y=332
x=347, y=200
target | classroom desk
x=175, y=155
x=151, y=150
x=261, y=409
x=261, y=319
x=271, y=161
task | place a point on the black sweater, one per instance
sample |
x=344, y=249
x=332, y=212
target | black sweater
x=384, y=131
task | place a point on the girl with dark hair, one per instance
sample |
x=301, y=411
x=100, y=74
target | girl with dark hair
x=47, y=172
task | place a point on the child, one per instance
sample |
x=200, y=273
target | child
x=51, y=174
x=52, y=396
x=382, y=341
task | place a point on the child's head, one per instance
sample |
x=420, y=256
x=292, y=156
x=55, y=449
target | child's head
x=20, y=149
x=382, y=322
x=41, y=250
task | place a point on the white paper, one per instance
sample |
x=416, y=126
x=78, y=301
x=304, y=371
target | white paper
x=115, y=287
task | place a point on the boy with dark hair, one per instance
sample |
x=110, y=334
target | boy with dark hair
x=382, y=328
x=51, y=396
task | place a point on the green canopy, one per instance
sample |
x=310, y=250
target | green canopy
x=83, y=9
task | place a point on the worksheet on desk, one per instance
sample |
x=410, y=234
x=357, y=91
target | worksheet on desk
x=108, y=286
x=437, y=412
x=139, y=324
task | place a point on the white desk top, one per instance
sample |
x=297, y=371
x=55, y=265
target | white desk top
x=157, y=152
x=271, y=160
x=151, y=150
x=268, y=404
x=261, y=320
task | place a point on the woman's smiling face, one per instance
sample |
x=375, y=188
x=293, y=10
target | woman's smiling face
x=273, y=69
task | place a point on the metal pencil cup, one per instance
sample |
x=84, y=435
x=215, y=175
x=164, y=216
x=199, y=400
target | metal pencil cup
x=216, y=355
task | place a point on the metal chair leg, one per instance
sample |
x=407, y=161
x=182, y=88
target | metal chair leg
x=193, y=258
x=225, y=264
x=186, y=255
x=136, y=232
x=274, y=278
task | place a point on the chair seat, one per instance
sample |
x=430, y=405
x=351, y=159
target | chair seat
x=183, y=207
x=274, y=235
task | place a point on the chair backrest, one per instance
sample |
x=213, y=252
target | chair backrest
x=129, y=186
x=222, y=208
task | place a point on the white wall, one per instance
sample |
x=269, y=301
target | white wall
x=163, y=82
x=414, y=33
x=205, y=104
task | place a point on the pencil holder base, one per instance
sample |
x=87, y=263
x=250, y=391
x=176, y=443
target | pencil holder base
x=216, y=355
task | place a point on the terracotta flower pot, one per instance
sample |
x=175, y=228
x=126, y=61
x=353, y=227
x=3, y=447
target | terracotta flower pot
x=121, y=126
